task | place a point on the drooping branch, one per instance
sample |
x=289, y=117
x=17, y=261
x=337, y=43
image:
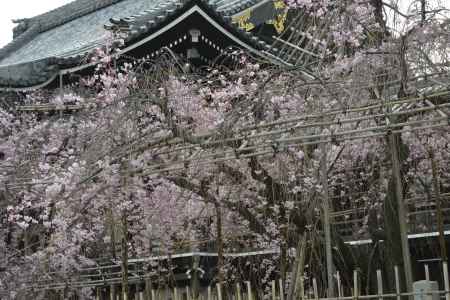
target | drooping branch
x=245, y=213
x=275, y=192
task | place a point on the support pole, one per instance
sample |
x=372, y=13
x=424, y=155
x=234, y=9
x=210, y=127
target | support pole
x=297, y=272
x=219, y=243
x=326, y=222
x=437, y=194
x=401, y=212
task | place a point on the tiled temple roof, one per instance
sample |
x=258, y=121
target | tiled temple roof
x=62, y=37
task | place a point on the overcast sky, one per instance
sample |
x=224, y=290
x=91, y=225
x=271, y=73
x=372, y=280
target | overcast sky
x=19, y=9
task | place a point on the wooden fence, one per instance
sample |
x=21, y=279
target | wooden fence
x=244, y=291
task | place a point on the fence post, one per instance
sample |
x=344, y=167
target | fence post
x=238, y=291
x=148, y=287
x=162, y=294
x=338, y=278
x=281, y=289
x=195, y=277
x=112, y=292
x=427, y=272
x=175, y=293
x=397, y=283
x=355, y=285
x=380, y=284
x=188, y=293
x=302, y=288
x=249, y=290
x=446, y=282
x=316, y=293
x=209, y=293
x=219, y=291
x=274, y=290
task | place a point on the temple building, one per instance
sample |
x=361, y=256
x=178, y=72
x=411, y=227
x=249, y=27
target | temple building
x=49, y=48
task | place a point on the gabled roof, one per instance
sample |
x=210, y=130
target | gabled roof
x=61, y=38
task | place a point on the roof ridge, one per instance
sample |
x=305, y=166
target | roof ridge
x=69, y=12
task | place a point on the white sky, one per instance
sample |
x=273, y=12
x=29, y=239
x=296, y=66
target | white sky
x=19, y=9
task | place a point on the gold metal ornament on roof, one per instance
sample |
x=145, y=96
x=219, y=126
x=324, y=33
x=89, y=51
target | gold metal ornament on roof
x=243, y=20
x=280, y=17
x=276, y=15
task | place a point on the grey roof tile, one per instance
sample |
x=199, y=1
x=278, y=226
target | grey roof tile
x=77, y=35
x=27, y=29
